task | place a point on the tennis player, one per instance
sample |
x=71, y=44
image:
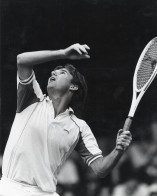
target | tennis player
x=45, y=130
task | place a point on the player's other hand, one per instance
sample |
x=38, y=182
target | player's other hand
x=124, y=139
x=77, y=52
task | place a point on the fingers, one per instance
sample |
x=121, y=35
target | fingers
x=81, y=48
x=124, y=139
x=86, y=46
x=123, y=145
x=124, y=136
x=85, y=56
x=120, y=132
x=78, y=50
x=124, y=133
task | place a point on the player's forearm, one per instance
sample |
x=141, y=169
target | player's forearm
x=73, y=52
x=102, y=166
x=27, y=60
x=38, y=57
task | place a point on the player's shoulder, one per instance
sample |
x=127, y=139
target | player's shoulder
x=80, y=122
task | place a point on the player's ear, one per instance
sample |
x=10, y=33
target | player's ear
x=73, y=87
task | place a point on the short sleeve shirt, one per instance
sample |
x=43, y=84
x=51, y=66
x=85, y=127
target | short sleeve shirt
x=39, y=143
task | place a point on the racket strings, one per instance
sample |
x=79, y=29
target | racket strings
x=147, y=66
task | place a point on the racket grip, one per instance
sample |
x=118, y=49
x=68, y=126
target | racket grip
x=127, y=124
x=126, y=127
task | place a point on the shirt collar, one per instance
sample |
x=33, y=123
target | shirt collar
x=69, y=110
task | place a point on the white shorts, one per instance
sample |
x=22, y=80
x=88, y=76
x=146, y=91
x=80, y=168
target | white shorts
x=12, y=188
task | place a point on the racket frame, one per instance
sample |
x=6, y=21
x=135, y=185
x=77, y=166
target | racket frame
x=138, y=93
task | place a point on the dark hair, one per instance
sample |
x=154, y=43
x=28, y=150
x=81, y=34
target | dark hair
x=79, y=97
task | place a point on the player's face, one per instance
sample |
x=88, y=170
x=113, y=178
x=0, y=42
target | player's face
x=60, y=80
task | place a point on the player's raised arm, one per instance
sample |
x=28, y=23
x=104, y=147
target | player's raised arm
x=103, y=165
x=27, y=60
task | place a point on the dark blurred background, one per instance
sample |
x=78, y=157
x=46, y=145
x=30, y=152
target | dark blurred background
x=116, y=31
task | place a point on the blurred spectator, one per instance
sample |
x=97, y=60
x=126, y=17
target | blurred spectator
x=143, y=155
x=69, y=178
x=131, y=187
x=153, y=190
x=104, y=191
x=69, y=173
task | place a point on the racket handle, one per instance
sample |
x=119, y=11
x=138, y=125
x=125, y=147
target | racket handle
x=127, y=124
x=126, y=127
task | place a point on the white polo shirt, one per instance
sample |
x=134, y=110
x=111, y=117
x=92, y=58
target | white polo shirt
x=39, y=144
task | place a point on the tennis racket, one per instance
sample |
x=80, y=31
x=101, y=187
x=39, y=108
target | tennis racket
x=145, y=72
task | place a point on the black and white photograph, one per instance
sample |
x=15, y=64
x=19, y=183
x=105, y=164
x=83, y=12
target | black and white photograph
x=78, y=98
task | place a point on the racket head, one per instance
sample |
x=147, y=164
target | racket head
x=146, y=67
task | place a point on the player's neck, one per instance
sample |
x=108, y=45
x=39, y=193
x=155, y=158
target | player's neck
x=60, y=103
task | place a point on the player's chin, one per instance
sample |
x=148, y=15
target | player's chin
x=49, y=86
x=50, y=83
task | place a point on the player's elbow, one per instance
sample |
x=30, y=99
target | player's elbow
x=100, y=173
x=99, y=169
x=19, y=60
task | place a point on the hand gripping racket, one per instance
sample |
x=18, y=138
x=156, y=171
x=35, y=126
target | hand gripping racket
x=145, y=72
